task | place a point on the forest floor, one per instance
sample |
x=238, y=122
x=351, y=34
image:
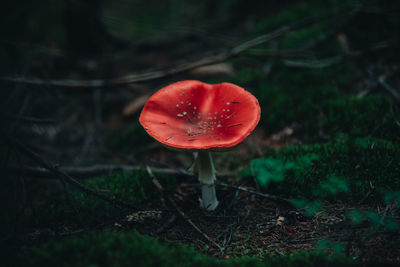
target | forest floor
x=318, y=174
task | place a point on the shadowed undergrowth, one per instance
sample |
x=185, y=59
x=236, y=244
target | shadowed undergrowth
x=110, y=248
x=321, y=102
x=133, y=188
x=344, y=168
x=351, y=154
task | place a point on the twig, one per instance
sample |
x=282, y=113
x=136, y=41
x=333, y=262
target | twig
x=381, y=80
x=267, y=196
x=70, y=200
x=395, y=94
x=313, y=64
x=31, y=119
x=370, y=191
x=135, y=78
x=67, y=178
x=304, y=49
x=193, y=225
x=166, y=225
x=96, y=170
x=173, y=203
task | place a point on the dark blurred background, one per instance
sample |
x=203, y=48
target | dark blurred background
x=65, y=68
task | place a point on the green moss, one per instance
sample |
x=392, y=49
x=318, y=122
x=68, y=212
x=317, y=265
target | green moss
x=134, y=188
x=318, y=101
x=294, y=95
x=344, y=168
x=109, y=248
x=355, y=117
x=377, y=221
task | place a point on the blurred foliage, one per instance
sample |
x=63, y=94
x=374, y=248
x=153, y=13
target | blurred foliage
x=385, y=221
x=310, y=207
x=392, y=197
x=343, y=168
x=274, y=169
x=109, y=248
x=378, y=222
x=297, y=11
x=128, y=139
x=134, y=188
x=141, y=20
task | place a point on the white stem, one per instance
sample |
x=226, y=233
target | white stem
x=206, y=170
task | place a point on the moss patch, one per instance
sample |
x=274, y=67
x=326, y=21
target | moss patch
x=133, y=188
x=124, y=249
x=320, y=101
x=341, y=168
x=369, y=116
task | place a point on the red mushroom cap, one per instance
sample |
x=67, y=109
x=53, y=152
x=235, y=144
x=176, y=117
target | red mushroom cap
x=192, y=115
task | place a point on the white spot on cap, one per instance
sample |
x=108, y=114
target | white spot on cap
x=219, y=125
x=228, y=103
x=184, y=113
x=179, y=115
x=194, y=108
x=177, y=105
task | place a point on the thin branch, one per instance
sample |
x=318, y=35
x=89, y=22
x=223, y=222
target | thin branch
x=95, y=170
x=313, y=64
x=381, y=80
x=89, y=171
x=33, y=120
x=67, y=178
x=267, y=196
x=395, y=93
x=166, y=225
x=181, y=213
x=135, y=78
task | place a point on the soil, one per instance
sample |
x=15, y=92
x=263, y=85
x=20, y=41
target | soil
x=247, y=224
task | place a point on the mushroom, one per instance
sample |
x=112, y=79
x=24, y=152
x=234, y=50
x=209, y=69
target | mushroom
x=200, y=117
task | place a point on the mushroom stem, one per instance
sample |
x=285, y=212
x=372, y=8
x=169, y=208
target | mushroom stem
x=205, y=167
